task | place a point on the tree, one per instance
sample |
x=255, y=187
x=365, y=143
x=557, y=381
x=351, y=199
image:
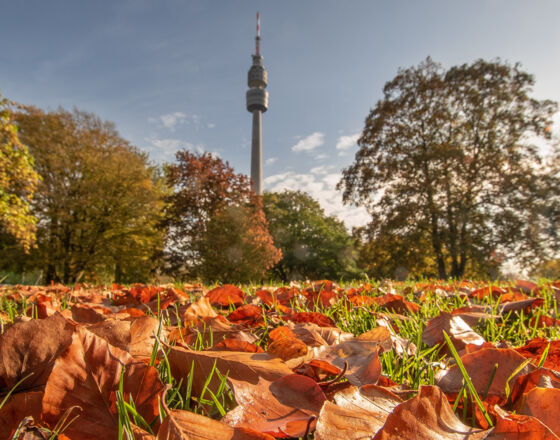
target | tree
x=18, y=180
x=99, y=204
x=314, y=245
x=451, y=155
x=217, y=229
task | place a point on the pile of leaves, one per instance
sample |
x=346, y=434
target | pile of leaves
x=460, y=360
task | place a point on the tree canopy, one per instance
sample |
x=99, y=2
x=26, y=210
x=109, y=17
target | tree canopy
x=314, y=245
x=18, y=180
x=99, y=203
x=216, y=226
x=449, y=158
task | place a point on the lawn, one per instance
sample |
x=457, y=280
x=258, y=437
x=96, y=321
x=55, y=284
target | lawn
x=368, y=360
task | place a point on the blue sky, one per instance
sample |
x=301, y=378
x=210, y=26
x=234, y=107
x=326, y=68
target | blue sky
x=172, y=74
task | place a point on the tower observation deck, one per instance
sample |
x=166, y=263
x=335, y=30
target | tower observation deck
x=257, y=104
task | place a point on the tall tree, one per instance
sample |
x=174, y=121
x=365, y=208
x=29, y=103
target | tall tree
x=217, y=230
x=451, y=155
x=18, y=180
x=99, y=204
x=314, y=245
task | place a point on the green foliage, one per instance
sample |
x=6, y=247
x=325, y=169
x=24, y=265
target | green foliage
x=18, y=180
x=548, y=269
x=217, y=229
x=314, y=245
x=99, y=204
x=446, y=160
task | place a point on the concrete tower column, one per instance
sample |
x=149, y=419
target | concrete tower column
x=256, y=152
x=257, y=104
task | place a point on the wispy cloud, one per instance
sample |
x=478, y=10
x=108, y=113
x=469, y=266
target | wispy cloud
x=322, y=187
x=270, y=160
x=345, y=143
x=174, y=119
x=324, y=169
x=164, y=149
x=310, y=142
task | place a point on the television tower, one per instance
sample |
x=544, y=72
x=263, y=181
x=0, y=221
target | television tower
x=257, y=103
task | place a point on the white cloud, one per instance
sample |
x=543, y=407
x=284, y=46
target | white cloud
x=323, y=169
x=321, y=187
x=311, y=142
x=172, y=120
x=270, y=160
x=347, y=142
x=165, y=149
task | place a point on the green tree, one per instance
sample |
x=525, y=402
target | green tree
x=314, y=245
x=18, y=180
x=99, y=204
x=450, y=155
x=217, y=229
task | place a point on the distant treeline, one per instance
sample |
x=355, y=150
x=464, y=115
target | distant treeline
x=448, y=167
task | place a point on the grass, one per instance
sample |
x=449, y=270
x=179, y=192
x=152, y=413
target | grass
x=413, y=370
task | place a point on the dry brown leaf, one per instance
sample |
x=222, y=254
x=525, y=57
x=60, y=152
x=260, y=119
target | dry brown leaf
x=18, y=407
x=287, y=348
x=389, y=341
x=428, y=416
x=236, y=345
x=87, y=375
x=135, y=335
x=280, y=407
x=358, y=414
x=457, y=329
x=360, y=357
x=511, y=426
x=185, y=425
x=542, y=403
x=238, y=365
x=479, y=366
x=225, y=295
x=198, y=310
x=32, y=347
x=313, y=335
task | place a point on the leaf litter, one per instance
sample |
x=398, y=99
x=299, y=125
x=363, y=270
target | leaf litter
x=312, y=360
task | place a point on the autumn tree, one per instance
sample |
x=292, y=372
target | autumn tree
x=314, y=245
x=18, y=180
x=216, y=227
x=99, y=203
x=451, y=156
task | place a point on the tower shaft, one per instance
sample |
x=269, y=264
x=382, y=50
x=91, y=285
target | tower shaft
x=256, y=152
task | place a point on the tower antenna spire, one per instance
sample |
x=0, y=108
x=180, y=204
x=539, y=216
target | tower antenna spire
x=258, y=39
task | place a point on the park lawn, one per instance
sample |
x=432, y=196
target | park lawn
x=383, y=360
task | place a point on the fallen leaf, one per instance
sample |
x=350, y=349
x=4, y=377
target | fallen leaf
x=185, y=425
x=31, y=348
x=236, y=345
x=511, y=426
x=247, y=314
x=457, y=329
x=358, y=414
x=225, y=295
x=280, y=408
x=18, y=407
x=479, y=366
x=360, y=359
x=428, y=416
x=238, y=365
x=542, y=403
x=87, y=375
